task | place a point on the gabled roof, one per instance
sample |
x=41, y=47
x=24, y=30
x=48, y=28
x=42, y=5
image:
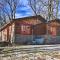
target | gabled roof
x=30, y=17
x=6, y=25
x=38, y=17
x=55, y=20
x=32, y=20
x=25, y=20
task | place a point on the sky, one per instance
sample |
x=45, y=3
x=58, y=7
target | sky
x=24, y=10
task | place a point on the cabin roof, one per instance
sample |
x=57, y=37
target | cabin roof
x=55, y=20
x=23, y=19
x=30, y=17
x=6, y=25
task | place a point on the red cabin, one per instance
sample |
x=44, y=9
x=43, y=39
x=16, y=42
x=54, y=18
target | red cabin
x=23, y=29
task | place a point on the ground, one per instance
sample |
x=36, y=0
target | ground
x=30, y=52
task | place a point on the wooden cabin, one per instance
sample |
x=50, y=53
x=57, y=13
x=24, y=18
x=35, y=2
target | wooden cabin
x=54, y=31
x=54, y=27
x=21, y=30
x=25, y=30
x=7, y=32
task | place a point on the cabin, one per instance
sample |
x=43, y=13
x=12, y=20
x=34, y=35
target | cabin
x=54, y=31
x=31, y=30
x=23, y=30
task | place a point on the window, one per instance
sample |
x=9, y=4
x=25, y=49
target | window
x=25, y=29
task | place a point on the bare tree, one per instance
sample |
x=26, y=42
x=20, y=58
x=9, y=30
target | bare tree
x=47, y=8
x=39, y=7
x=2, y=16
x=9, y=8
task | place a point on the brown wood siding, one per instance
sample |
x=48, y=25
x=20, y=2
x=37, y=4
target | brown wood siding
x=39, y=29
x=17, y=27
